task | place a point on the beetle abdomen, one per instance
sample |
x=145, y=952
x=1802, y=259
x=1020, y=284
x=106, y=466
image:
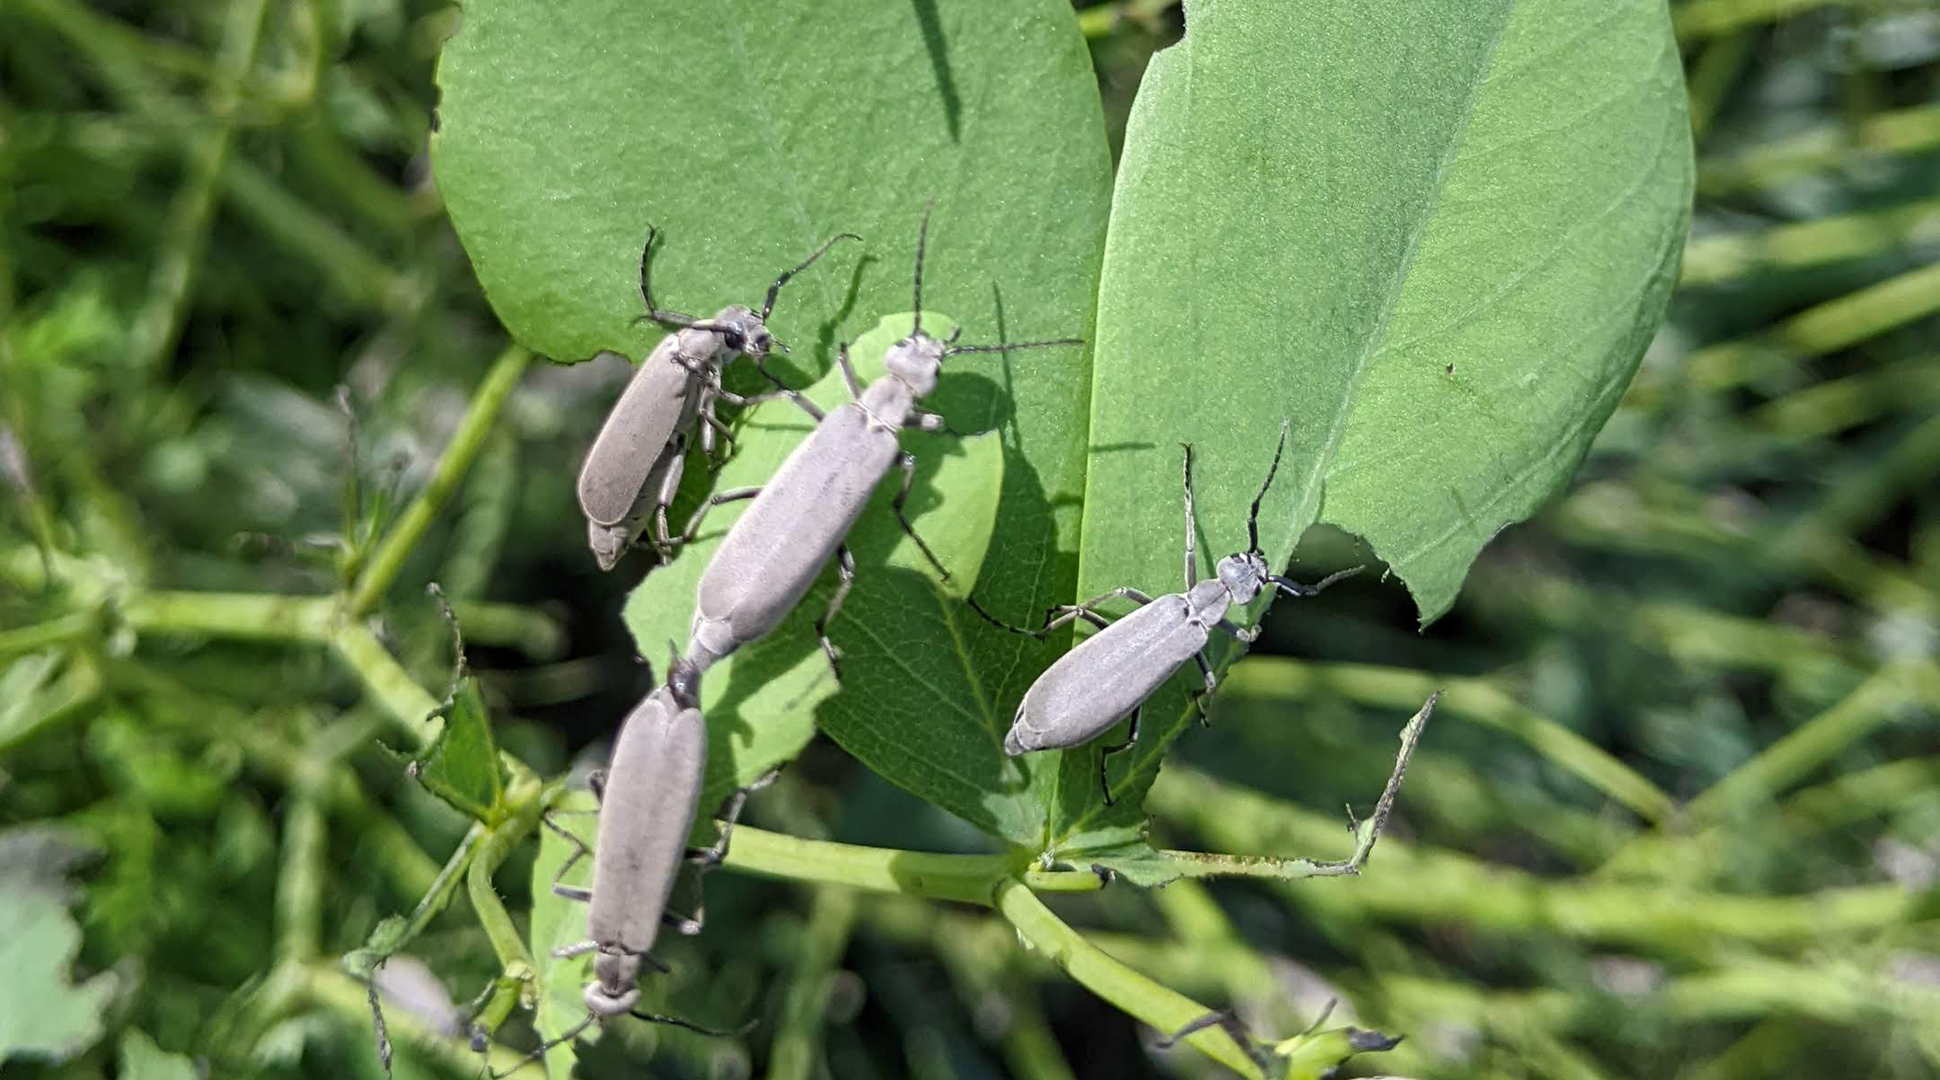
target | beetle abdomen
x=1105, y=677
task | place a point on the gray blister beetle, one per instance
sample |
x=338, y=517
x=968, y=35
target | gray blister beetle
x=648, y=799
x=801, y=518
x=635, y=464
x=1108, y=676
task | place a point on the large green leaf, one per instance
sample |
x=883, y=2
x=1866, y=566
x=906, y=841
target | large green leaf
x=910, y=705
x=749, y=132
x=1436, y=236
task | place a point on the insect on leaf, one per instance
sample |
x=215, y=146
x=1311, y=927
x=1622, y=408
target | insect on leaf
x=1435, y=236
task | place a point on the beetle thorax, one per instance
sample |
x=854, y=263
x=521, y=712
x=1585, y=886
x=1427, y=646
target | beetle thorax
x=914, y=361
x=1243, y=575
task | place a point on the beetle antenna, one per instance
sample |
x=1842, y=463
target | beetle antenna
x=922, y=238
x=1253, y=518
x=676, y=1021
x=768, y=305
x=1294, y=588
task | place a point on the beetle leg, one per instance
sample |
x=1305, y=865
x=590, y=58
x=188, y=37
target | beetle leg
x=908, y=463
x=660, y=537
x=1104, y=759
x=1061, y=614
x=1245, y=634
x=712, y=856
x=845, y=569
x=781, y=389
x=709, y=857
x=926, y=421
x=1212, y=683
x=579, y=852
x=713, y=428
x=728, y=496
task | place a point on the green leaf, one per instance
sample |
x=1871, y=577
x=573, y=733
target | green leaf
x=42, y=1014
x=1436, y=236
x=558, y=922
x=141, y=1059
x=910, y=705
x=461, y=766
x=750, y=132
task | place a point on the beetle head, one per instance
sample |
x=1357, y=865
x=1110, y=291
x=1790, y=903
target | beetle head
x=915, y=361
x=613, y=989
x=683, y=679
x=744, y=332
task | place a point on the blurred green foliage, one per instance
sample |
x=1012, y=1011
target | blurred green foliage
x=1676, y=818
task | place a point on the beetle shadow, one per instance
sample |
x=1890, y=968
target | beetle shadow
x=801, y=368
x=931, y=25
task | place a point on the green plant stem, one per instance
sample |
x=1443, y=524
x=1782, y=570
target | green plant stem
x=352, y=271
x=1906, y=131
x=465, y=444
x=407, y=703
x=1703, y=637
x=437, y=895
x=986, y=880
x=1839, y=803
x=113, y=44
x=241, y=616
x=532, y=632
x=1855, y=498
x=160, y=320
x=1826, y=408
x=796, y=1051
x=1818, y=330
x=46, y=634
x=1420, y=884
x=527, y=800
x=1877, y=701
x=1716, y=70
x=969, y=879
x=1838, y=991
x=346, y=997
x=321, y=153
x=72, y=695
x=1597, y=518
x=1477, y=700
x=1132, y=993
x=301, y=875
x=1771, y=1048
x=396, y=853
x=1709, y=260
x=1698, y=19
